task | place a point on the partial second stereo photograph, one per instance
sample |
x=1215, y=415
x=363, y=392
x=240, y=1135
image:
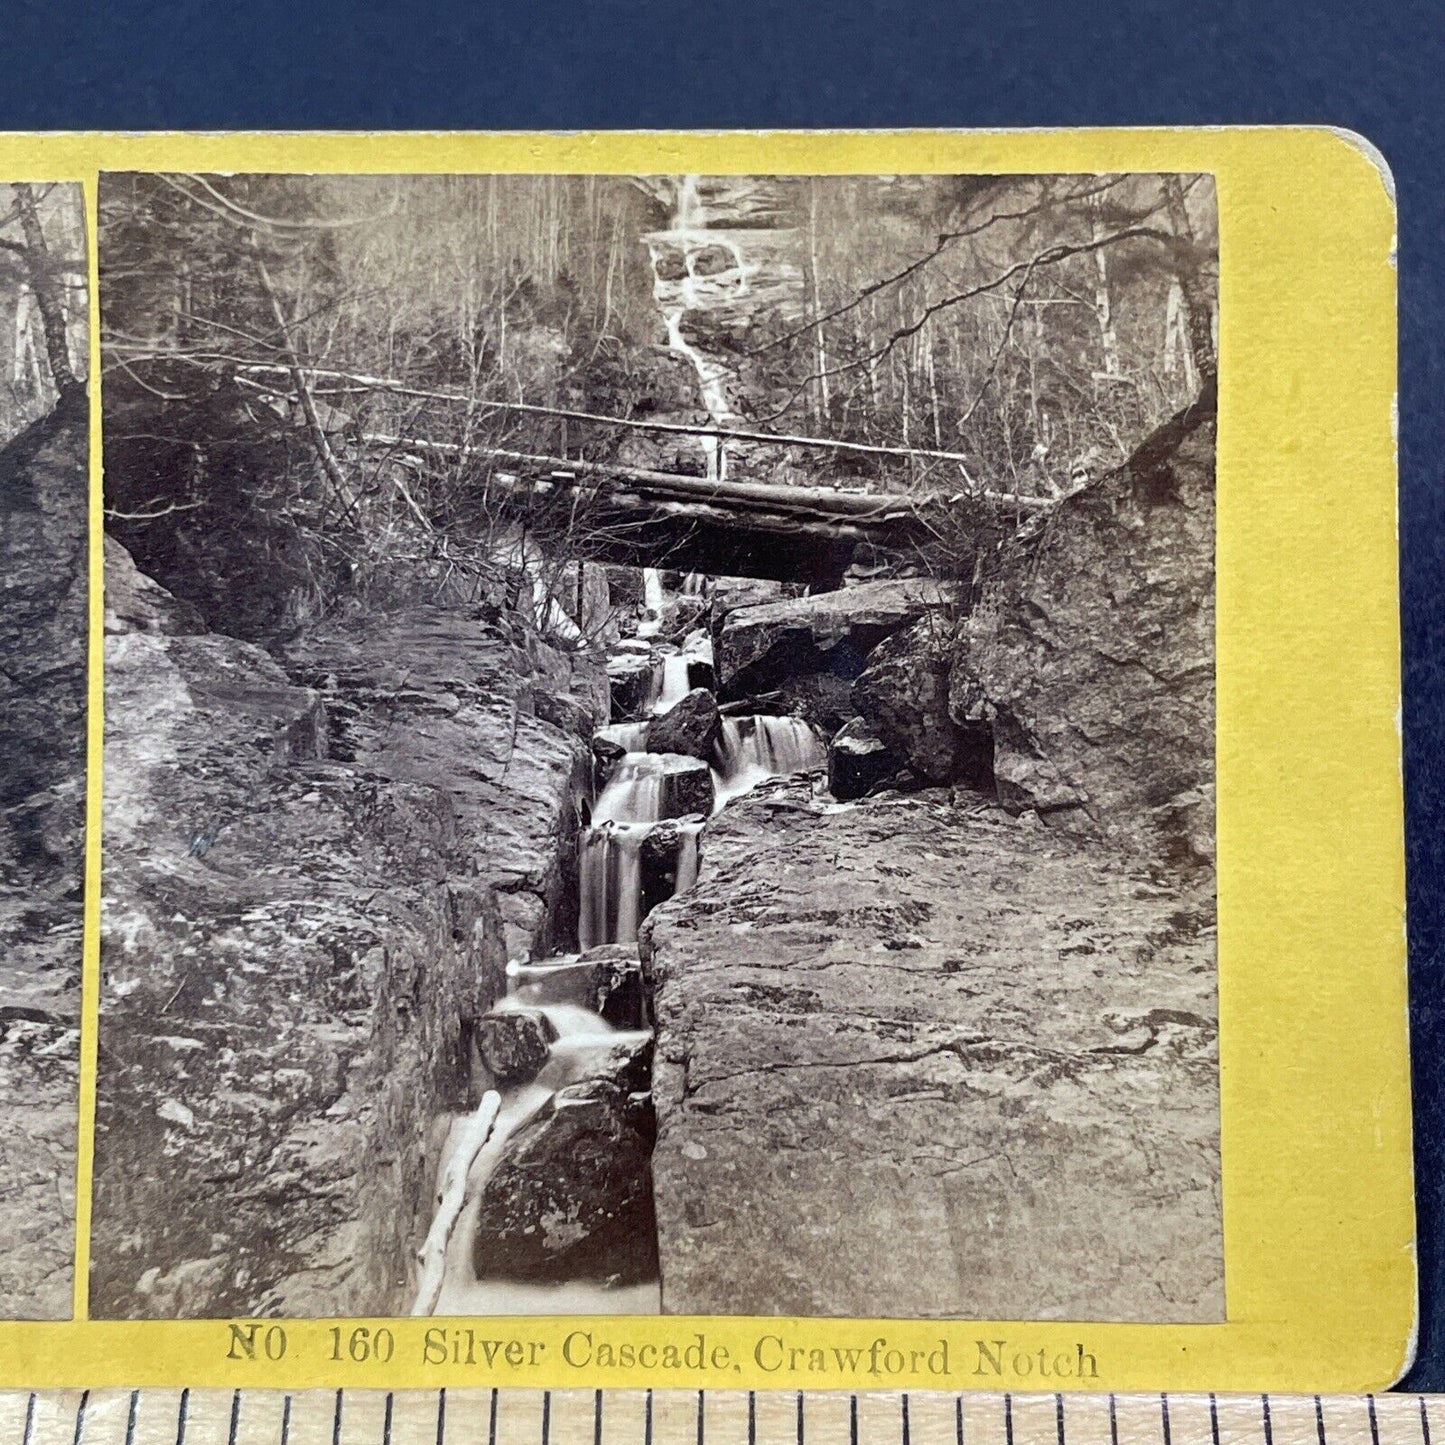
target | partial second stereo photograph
x=659, y=746
x=44, y=501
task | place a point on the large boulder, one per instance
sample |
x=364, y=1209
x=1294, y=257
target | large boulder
x=137, y=603
x=903, y=692
x=630, y=679
x=515, y=1045
x=689, y=727
x=571, y=1196
x=997, y=1038
x=858, y=760
x=1090, y=653
x=829, y=632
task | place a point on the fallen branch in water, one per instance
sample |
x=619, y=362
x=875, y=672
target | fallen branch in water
x=451, y=1199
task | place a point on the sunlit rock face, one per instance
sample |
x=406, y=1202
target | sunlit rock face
x=1090, y=655
x=315, y=876
x=994, y=1042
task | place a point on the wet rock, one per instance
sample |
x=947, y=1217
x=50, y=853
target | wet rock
x=903, y=692
x=616, y=985
x=514, y=1045
x=689, y=786
x=1002, y=1041
x=373, y=844
x=858, y=760
x=629, y=675
x=681, y=615
x=1091, y=652
x=823, y=698
x=828, y=632
x=690, y=727
x=666, y=851
x=571, y=1196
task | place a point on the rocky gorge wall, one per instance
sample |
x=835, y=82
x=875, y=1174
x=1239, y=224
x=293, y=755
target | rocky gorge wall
x=943, y=1040
x=44, y=484
x=313, y=876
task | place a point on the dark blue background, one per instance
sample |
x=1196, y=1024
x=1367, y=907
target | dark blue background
x=1373, y=67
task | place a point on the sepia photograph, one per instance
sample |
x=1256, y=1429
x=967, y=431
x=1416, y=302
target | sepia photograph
x=44, y=491
x=659, y=745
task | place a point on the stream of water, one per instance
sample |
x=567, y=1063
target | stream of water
x=644, y=842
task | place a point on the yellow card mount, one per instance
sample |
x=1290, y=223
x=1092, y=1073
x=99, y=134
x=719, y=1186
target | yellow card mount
x=726, y=762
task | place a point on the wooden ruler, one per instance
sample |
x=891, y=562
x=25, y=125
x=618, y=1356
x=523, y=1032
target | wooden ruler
x=694, y=1417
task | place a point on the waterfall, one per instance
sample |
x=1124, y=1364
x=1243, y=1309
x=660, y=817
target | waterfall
x=754, y=748
x=583, y=1039
x=631, y=737
x=610, y=883
x=652, y=603
x=670, y=682
x=635, y=792
x=637, y=851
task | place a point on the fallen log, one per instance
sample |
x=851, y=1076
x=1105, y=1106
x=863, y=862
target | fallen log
x=451, y=1200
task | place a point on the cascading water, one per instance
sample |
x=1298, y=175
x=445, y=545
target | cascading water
x=753, y=749
x=584, y=1040
x=641, y=846
x=652, y=603
x=670, y=682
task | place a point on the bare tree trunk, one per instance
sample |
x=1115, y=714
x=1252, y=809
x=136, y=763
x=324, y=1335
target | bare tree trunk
x=317, y=432
x=42, y=283
x=823, y=406
x=1197, y=304
x=1103, y=302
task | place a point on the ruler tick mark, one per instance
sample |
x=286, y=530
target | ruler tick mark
x=647, y=1419
x=852, y=1420
x=386, y=1419
x=753, y=1418
x=492, y=1419
x=285, y=1420
x=181, y=1415
x=80, y=1415
x=596, y=1417
x=1163, y=1421
x=1059, y=1418
x=1319, y=1420
x=701, y=1409
x=958, y=1420
x=441, y=1416
x=1374, y=1423
x=130, y=1418
x=235, y=1418
x=903, y=1418
x=29, y=1420
x=336, y=1421
x=1113, y=1422
x=546, y=1417
x=1424, y=1422
x=1008, y=1418
x=800, y=1417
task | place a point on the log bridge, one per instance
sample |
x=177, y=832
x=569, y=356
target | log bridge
x=636, y=516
